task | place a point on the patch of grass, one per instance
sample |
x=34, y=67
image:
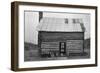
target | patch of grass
x=29, y=46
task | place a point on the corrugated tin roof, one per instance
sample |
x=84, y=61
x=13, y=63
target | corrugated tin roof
x=59, y=24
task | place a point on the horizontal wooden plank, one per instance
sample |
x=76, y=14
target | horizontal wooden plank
x=74, y=51
x=48, y=49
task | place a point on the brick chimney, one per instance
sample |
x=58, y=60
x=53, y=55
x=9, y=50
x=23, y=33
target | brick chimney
x=40, y=15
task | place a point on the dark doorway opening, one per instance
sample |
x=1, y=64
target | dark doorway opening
x=62, y=48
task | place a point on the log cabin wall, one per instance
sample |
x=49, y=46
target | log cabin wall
x=50, y=41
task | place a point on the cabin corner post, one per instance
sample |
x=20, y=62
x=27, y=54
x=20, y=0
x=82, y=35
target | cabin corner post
x=39, y=42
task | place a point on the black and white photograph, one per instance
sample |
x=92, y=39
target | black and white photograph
x=56, y=35
x=52, y=36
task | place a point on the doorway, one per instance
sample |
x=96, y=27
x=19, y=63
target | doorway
x=62, y=48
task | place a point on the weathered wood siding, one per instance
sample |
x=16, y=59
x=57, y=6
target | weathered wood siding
x=50, y=45
x=60, y=36
x=50, y=41
x=74, y=46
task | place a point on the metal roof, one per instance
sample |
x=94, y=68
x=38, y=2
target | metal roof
x=59, y=24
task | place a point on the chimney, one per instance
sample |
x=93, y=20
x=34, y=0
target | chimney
x=82, y=25
x=40, y=15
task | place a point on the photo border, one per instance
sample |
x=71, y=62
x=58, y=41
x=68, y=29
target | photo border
x=15, y=34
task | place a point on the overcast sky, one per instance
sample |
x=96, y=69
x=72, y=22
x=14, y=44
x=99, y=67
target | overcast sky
x=32, y=21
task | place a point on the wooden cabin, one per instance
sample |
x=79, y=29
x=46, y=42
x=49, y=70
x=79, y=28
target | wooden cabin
x=59, y=37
